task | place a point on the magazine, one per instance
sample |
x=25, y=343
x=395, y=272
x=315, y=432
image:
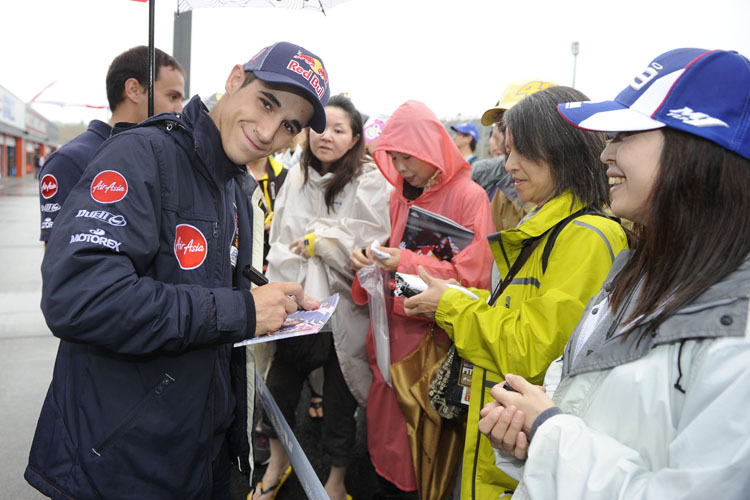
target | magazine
x=428, y=233
x=300, y=323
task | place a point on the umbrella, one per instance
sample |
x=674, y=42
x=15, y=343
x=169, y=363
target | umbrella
x=186, y=5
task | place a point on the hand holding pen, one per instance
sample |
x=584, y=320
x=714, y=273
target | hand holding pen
x=292, y=293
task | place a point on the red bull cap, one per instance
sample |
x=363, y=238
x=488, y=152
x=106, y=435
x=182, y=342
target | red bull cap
x=285, y=62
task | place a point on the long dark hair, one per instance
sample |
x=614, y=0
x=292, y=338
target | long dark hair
x=541, y=134
x=349, y=166
x=697, y=229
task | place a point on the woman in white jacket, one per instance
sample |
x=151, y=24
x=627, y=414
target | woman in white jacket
x=654, y=383
x=330, y=204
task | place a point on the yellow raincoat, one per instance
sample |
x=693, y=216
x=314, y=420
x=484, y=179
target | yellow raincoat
x=531, y=321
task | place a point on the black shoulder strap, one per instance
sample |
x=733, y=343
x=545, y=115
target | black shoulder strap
x=528, y=248
x=561, y=225
x=530, y=244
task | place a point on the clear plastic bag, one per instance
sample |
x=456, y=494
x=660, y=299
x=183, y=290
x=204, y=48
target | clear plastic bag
x=373, y=279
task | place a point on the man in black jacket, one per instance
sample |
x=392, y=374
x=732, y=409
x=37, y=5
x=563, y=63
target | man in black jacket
x=127, y=95
x=146, y=294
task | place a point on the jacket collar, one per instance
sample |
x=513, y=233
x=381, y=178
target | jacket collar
x=720, y=311
x=100, y=128
x=207, y=140
x=540, y=220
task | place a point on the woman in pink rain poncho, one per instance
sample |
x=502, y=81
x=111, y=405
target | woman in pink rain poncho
x=410, y=445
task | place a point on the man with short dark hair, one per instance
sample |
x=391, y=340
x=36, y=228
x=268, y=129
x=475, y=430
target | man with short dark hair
x=466, y=137
x=146, y=293
x=127, y=93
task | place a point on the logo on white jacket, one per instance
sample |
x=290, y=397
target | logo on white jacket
x=96, y=237
x=48, y=186
x=190, y=246
x=109, y=186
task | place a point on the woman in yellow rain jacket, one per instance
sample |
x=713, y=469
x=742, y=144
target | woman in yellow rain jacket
x=570, y=248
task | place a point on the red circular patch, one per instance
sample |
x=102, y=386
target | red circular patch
x=49, y=186
x=190, y=246
x=109, y=187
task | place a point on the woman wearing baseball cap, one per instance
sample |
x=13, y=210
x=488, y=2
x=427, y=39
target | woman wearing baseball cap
x=654, y=384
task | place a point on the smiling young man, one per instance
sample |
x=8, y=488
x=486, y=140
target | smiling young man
x=145, y=292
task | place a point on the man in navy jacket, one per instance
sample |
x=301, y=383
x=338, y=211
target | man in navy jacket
x=144, y=290
x=127, y=94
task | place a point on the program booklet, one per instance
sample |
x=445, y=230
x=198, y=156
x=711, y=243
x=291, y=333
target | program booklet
x=300, y=323
x=428, y=233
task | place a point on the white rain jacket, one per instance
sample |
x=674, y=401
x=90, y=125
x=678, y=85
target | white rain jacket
x=359, y=216
x=666, y=418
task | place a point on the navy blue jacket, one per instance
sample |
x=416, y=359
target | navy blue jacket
x=140, y=288
x=64, y=168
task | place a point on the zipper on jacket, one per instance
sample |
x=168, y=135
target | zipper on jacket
x=155, y=392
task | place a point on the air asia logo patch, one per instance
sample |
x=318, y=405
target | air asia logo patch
x=190, y=246
x=49, y=186
x=109, y=186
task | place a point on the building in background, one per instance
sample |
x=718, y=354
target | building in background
x=25, y=135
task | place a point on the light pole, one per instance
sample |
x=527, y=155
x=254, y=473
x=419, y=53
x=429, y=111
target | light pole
x=574, y=51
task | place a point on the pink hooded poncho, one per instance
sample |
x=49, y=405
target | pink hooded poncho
x=415, y=130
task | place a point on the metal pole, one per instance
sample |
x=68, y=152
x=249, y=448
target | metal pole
x=183, y=22
x=574, y=50
x=151, y=57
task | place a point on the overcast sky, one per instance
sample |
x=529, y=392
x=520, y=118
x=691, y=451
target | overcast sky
x=456, y=56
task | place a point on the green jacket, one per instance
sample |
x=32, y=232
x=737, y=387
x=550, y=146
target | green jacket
x=531, y=321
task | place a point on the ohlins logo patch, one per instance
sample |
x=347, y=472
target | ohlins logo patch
x=96, y=237
x=190, y=246
x=49, y=186
x=109, y=186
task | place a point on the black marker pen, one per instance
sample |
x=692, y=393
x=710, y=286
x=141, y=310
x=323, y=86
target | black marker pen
x=256, y=277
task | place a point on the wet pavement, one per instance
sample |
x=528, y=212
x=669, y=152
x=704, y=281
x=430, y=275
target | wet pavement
x=27, y=348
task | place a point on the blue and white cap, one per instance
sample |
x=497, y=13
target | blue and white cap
x=702, y=92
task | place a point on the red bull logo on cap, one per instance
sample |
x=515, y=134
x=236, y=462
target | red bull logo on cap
x=316, y=74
